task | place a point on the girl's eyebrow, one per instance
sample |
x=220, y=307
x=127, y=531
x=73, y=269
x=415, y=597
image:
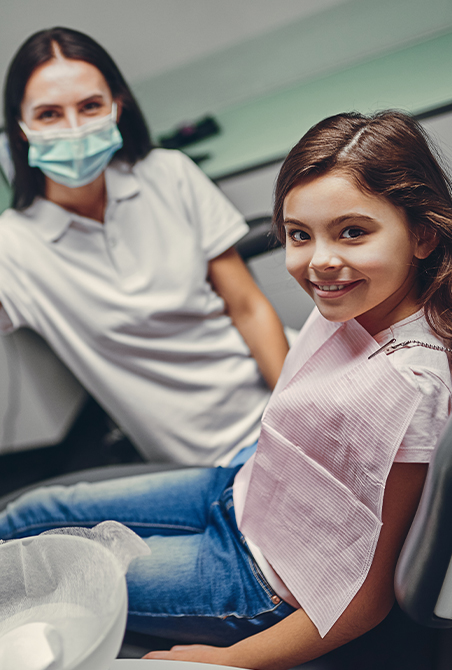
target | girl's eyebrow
x=351, y=215
x=294, y=221
x=336, y=221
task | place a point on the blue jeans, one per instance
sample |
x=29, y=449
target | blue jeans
x=200, y=583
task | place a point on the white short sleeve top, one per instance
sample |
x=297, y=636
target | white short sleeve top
x=128, y=308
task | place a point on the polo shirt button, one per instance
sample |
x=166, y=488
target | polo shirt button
x=112, y=241
x=275, y=600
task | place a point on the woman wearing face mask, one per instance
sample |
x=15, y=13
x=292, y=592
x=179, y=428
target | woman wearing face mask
x=121, y=256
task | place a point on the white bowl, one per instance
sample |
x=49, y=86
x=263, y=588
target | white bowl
x=69, y=604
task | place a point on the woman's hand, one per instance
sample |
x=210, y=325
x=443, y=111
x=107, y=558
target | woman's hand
x=198, y=653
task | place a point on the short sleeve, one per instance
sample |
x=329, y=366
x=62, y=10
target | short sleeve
x=429, y=420
x=220, y=224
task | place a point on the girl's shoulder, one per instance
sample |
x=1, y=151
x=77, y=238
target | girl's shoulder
x=422, y=361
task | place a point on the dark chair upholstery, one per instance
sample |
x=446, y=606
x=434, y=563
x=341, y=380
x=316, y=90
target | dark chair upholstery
x=427, y=551
x=259, y=239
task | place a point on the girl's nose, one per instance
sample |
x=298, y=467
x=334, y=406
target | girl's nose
x=324, y=258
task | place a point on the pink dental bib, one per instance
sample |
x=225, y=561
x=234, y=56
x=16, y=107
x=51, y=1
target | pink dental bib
x=329, y=437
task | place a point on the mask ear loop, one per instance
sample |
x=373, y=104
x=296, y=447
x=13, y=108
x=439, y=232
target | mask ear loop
x=24, y=128
x=114, y=112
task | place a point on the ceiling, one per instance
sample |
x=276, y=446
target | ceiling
x=148, y=37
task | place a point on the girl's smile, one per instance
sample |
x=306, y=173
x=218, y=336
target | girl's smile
x=335, y=290
x=352, y=251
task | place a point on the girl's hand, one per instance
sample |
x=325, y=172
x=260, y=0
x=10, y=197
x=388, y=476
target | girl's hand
x=198, y=653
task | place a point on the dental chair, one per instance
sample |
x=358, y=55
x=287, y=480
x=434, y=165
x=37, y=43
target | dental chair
x=259, y=238
x=423, y=579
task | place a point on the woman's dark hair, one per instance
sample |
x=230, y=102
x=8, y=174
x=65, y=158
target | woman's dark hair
x=388, y=154
x=37, y=50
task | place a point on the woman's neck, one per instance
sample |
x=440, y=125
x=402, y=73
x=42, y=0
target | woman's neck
x=89, y=200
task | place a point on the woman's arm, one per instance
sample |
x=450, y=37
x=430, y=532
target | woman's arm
x=251, y=313
x=295, y=640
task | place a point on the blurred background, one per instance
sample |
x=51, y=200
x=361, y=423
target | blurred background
x=263, y=71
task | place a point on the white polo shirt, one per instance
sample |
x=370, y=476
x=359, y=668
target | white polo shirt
x=127, y=307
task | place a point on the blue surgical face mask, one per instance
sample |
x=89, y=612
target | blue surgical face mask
x=74, y=156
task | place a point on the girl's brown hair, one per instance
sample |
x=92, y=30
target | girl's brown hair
x=388, y=154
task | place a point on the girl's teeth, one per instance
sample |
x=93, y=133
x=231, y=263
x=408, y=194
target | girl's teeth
x=332, y=287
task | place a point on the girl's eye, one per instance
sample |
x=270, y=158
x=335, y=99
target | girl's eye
x=297, y=235
x=352, y=233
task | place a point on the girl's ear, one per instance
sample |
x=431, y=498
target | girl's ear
x=426, y=242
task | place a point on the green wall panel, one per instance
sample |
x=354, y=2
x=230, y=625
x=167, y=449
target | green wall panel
x=414, y=79
x=267, y=92
x=306, y=49
x=5, y=195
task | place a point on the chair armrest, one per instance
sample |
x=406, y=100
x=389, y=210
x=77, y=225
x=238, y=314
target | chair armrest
x=259, y=239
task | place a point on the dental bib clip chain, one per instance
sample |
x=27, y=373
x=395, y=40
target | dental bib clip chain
x=390, y=347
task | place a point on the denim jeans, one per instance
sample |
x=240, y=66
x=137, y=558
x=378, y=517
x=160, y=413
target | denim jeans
x=200, y=582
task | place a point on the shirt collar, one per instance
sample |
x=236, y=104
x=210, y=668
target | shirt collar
x=121, y=181
x=49, y=220
x=392, y=331
x=52, y=221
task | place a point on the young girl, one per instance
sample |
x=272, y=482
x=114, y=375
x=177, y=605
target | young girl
x=294, y=554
